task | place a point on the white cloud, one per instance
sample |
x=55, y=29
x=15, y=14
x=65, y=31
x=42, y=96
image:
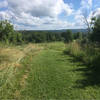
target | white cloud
x=97, y=12
x=83, y=11
x=86, y=4
x=43, y=14
x=39, y=8
x=44, y=24
x=3, y=4
x=36, y=14
x=5, y=15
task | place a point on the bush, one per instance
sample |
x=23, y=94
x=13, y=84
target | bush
x=96, y=62
x=75, y=50
x=87, y=53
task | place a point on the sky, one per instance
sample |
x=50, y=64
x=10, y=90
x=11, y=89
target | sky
x=48, y=14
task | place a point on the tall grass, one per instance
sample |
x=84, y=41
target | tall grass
x=11, y=69
x=85, y=53
x=74, y=49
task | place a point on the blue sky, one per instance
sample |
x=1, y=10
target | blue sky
x=75, y=3
x=48, y=14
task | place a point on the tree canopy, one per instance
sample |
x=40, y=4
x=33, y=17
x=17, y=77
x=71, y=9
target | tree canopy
x=95, y=36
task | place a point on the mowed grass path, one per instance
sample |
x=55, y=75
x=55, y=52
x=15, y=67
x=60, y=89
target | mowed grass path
x=53, y=76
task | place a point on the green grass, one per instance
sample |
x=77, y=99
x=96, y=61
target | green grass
x=49, y=74
x=54, y=75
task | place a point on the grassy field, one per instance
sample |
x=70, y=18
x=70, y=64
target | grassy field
x=44, y=72
x=12, y=69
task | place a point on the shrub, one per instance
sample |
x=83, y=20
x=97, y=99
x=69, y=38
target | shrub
x=87, y=53
x=75, y=50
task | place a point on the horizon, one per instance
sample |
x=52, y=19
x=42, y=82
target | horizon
x=53, y=29
x=48, y=14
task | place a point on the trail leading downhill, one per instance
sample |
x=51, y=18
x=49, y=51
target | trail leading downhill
x=53, y=75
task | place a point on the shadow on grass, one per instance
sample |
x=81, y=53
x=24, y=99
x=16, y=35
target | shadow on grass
x=91, y=78
x=91, y=74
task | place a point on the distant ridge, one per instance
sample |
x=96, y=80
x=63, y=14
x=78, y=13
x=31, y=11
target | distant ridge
x=73, y=30
x=59, y=31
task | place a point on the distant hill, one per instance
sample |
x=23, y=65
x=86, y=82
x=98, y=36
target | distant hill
x=57, y=31
x=73, y=30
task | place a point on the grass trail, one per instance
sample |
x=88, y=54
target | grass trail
x=46, y=73
x=54, y=76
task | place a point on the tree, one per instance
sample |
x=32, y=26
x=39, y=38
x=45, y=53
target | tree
x=87, y=22
x=68, y=36
x=5, y=29
x=8, y=34
x=95, y=36
x=78, y=35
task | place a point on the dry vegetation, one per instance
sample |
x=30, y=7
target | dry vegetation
x=10, y=64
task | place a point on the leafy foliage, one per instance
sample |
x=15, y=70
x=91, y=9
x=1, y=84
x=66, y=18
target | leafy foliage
x=95, y=36
x=8, y=34
x=40, y=36
x=68, y=36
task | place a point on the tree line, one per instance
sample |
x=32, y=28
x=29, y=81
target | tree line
x=9, y=35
